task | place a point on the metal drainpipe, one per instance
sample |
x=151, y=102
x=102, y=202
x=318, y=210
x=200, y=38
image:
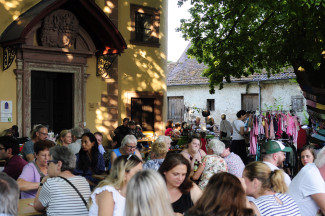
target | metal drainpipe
x=259, y=96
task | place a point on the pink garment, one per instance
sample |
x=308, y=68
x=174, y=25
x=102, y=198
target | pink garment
x=272, y=134
x=291, y=125
x=266, y=126
x=253, y=138
x=279, y=132
x=252, y=143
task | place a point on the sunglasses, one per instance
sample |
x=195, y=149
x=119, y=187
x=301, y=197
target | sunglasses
x=131, y=147
x=134, y=157
x=54, y=161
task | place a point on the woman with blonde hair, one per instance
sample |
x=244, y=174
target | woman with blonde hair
x=108, y=198
x=147, y=195
x=268, y=188
x=65, y=138
x=157, y=155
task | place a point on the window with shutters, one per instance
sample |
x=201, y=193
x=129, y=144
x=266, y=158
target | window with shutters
x=297, y=103
x=145, y=23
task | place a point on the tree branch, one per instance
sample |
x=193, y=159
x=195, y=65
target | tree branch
x=235, y=23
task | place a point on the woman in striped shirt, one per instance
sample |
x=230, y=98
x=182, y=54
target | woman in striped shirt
x=268, y=189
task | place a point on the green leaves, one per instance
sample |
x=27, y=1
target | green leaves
x=241, y=37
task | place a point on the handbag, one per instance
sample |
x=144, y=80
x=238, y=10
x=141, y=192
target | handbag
x=223, y=134
x=83, y=199
x=246, y=136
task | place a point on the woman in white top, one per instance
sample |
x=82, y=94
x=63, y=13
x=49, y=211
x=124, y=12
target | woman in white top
x=238, y=145
x=108, y=197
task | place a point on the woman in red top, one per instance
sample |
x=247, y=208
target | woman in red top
x=169, y=128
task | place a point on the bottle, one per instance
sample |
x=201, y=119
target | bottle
x=196, y=165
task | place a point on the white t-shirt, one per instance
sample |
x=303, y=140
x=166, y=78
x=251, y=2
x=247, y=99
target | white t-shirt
x=287, y=179
x=238, y=124
x=119, y=201
x=308, y=182
x=75, y=147
x=60, y=197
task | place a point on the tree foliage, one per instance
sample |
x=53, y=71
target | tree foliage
x=241, y=37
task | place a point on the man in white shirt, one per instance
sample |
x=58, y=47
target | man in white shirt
x=308, y=187
x=273, y=152
x=99, y=138
x=225, y=128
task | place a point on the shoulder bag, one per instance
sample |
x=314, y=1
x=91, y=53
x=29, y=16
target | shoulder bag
x=83, y=199
x=246, y=137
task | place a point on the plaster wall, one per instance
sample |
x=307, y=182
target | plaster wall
x=10, y=10
x=142, y=68
x=228, y=100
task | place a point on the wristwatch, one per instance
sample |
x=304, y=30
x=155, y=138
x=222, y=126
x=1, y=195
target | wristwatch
x=40, y=184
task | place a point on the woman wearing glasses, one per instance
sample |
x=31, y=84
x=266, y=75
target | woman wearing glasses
x=128, y=146
x=30, y=177
x=55, y=193
x=89, y=160
x=108, y=197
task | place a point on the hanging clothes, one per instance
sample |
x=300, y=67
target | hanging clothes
x=272, y=133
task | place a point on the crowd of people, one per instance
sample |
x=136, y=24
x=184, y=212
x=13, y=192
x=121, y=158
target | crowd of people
x=62, y=177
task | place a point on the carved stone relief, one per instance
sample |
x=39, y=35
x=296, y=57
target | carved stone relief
x=59, y=29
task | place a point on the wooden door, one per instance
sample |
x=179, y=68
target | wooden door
x=249, y=102
x=176, y=109
x=51, y=100
x=142, y=112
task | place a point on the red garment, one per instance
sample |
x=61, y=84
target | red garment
x=168, y=132
x=14, y=166
x=203, y=146
x=302, y=138
x=279, y=132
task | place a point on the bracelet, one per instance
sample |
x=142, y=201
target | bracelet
x=40, y=184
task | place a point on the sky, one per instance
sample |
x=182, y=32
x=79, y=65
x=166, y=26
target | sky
x=176, y=44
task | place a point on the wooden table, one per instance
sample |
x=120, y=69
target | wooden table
x=25, y=208
x=100, y=177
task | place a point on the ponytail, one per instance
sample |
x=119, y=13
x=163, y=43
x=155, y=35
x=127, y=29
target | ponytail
x=277, y=181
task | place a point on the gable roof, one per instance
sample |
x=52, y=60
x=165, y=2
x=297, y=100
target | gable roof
x=101, y=29
x=188, y=71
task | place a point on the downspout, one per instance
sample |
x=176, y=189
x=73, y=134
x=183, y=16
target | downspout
x=259, y=96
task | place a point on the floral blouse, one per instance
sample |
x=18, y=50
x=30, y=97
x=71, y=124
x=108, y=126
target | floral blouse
x=213, y=164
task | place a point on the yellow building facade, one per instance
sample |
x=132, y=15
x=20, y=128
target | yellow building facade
x=68, y=63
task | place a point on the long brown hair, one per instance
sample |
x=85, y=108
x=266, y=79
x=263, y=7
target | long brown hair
x=171, y=161
x=224, y=195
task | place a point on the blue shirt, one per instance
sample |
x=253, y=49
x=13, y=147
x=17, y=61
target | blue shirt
x=88, y=174
x=28, y=148
x=153, y=164
x=101, y=149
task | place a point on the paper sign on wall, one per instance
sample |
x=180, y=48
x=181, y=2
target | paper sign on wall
x=6, y=111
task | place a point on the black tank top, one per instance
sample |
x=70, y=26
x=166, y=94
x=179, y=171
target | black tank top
x=183, y=203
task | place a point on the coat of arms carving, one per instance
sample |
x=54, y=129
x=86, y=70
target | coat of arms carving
x=59, y=29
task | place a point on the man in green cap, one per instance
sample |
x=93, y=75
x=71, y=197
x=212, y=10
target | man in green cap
x=273, y=152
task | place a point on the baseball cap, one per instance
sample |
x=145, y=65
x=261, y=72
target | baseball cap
x=274, y=146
